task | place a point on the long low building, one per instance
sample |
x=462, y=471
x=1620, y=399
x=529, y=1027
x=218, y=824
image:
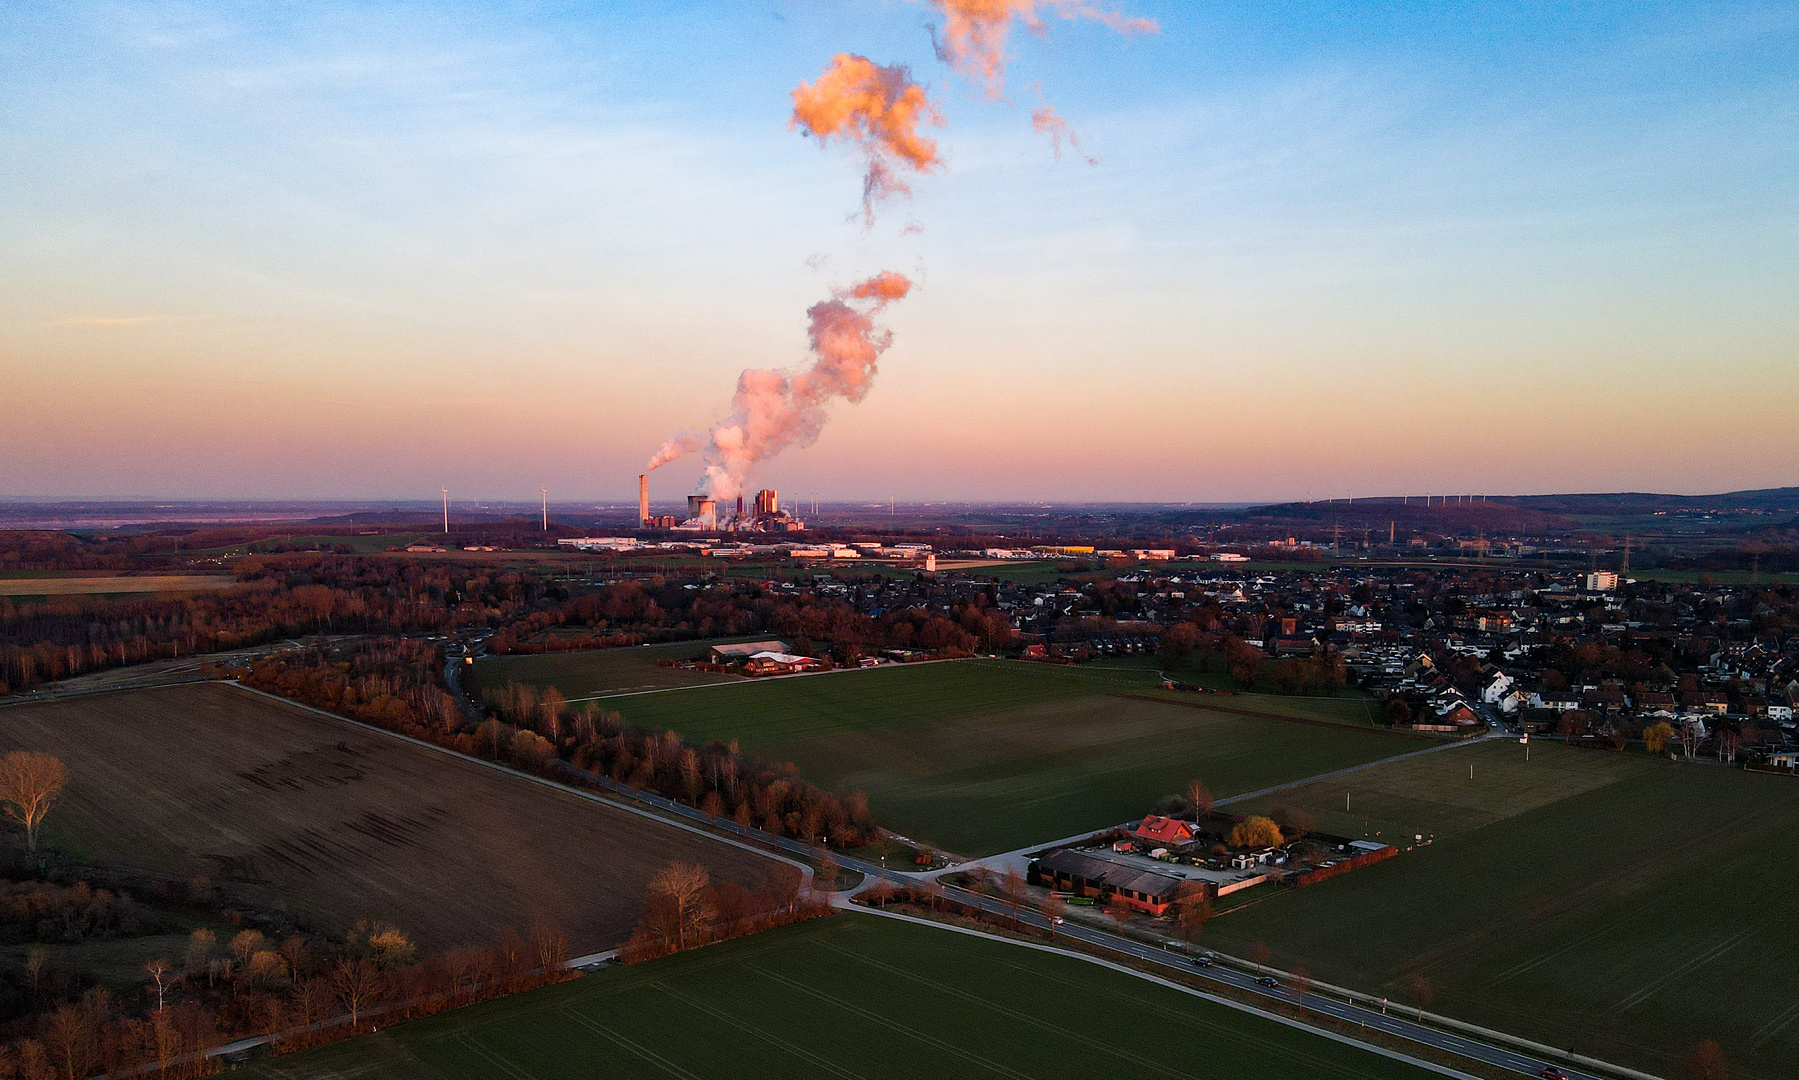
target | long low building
x=1084, y=875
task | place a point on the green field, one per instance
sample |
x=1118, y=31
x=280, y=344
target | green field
x=852, y=996
x=981, y=756
x=1618, y=903
x=602, y=671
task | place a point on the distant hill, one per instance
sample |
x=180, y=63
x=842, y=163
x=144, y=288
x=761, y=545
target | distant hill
x=1785, y=499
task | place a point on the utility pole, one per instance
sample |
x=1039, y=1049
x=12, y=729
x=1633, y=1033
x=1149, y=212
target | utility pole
x=446, y=492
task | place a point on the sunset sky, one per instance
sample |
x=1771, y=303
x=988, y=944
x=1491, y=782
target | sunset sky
x=373, y=250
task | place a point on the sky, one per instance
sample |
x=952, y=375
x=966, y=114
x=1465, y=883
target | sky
x=372, y=250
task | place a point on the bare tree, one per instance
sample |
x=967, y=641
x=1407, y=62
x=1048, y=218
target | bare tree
x=1053, y=908
x=1419, y=989
x=1012, y=888
x=29, y=784
x=685, y=886
x=161, y=978
x=1259, y=954
x=1199, y=797
x=1301, y=981
x=1192, y=908
x=73, y=1041
x=551, y=945
x=824, y=873
x=244, y=944
x=356, y=983
x=1692, y=733
x=1118, y=910
x=298, y=958
x=199, y=950
x=167, y=1037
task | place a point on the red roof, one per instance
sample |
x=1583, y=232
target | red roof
x=1164, y=830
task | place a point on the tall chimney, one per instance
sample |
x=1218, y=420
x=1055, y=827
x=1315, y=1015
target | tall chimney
x=643, y=498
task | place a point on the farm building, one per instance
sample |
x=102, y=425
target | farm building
x=781, y=663
x=1084, y=875
x=742, y=651
x=1168, y=832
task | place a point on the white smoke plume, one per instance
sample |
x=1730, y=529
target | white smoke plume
x=774, y=410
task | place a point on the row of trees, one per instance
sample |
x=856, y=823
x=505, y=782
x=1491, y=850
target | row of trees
x=395, y=683
x=301, y=992
x=684, y=908
x=1221, y=652
x=277, y=597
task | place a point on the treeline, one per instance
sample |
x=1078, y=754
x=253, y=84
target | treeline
x=394, y=683
x=630, y=613
x=1219, y=652
x=685, y=909
x=300, y=991
x=277, y=597
x=532, y=726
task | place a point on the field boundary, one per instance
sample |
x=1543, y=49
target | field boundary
x=1416, y=735
x=1216, y=999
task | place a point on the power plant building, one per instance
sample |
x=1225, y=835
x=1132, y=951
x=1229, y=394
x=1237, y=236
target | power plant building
x=764, y=514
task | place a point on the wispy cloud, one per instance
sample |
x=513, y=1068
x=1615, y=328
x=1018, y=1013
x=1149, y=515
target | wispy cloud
x=105, y=320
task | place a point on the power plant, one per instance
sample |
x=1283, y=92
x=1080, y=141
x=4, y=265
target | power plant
x=765, y=514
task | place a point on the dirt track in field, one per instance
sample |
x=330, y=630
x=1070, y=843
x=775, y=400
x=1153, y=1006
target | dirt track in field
x=335, y=823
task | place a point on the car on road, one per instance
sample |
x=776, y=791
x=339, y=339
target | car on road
x=1201, y=961
x=1550, y=1072
x=1268, y=980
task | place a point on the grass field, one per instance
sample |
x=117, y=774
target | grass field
x=1621, y=904
x=601, y=671
x=984, y=756
x=115, y=586
x=852, y=996
x=300, y=813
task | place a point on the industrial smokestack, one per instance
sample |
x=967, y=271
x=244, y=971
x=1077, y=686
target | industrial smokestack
x=643, y=498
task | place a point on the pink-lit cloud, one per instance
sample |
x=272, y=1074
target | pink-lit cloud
x=878, y=109
x=972, y=39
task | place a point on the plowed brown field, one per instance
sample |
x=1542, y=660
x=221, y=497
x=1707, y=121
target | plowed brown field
x=337, y=823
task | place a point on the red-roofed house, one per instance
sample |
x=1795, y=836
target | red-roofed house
x=1163, y=830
